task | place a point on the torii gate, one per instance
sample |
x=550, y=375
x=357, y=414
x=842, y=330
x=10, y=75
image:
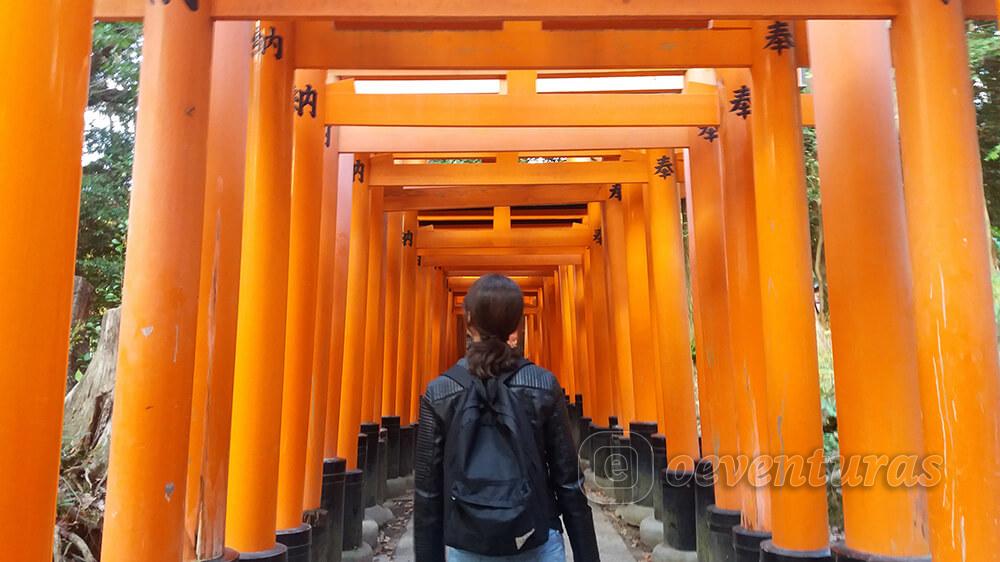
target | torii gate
x=900, y=281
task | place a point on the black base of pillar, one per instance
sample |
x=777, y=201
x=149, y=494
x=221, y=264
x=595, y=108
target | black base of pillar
x=277, y=553
x=704, y=496
x=382, y=464
x=298, y=541
x=354, y=508
x=659, y=443
x=370, y=466
x=680, y=514
x=583, y=428
x=843, y=554
x=391, y=425
x=319, y=520
x=641, y=439
x=747, y=544
x=333, y=502
x=771, y=553
x=406, y=436
x=720, y=526
x=612, y=421
x=600, y=440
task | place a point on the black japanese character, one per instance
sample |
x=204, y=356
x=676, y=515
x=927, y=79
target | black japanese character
x=359, y=171
x=741, y=102
x=664, y=167
x=779, y=37
x=616, y=192
x=305, y=98
x=708, y=133
x=408, y=238
x=599, y=237
x=261, y=43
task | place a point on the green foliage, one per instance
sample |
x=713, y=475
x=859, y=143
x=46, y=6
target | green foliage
x=984, y=62
x=107, y=172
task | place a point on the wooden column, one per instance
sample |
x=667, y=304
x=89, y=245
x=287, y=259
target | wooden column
x=352, y=375
x=215, y=348
x=303, y=271
x=47, y=60
x=949, y=249
x=567, y=306
x=744, y=292
x=784, y=253
x=668, y=297
x=327, y=294
x=260, y=334
x=583, y=327
x=617, y=265
x=645, y=360
x=419, y=338
x=152, y=415
x=709, y=274
x=407, y=305
x=371, y=401
x=345, y=205
x=705, y=399
x=603, y=346
x=394, y=267
x=871, y=285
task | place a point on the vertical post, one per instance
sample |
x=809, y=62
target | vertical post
x=303, y=270
x=215, y=349
x=407, y=304
x=789, y=322
x=617, y=265
x=326, y=297
x=567, y=304
x=871, y=286
x=709, y=275
x=583, y=327
x=352, y=377
x=419, y=338
x=668, y=294
x=260, y=334
x=394, y=267
x=744, y=296
x=345, y=204
x=555, y=321
x=374, y=325
x=152, y=415
x=603, y=346
x=41, y=128
x=956, y=331
x=645, y=360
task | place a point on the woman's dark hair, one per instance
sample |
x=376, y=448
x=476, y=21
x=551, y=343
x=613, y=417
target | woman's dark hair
x=494, y=307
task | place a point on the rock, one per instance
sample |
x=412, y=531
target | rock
x=379, y=514
x=397, y=487
x=651, y=531
x=369, y=532
x=633, y=514
x=364, y=553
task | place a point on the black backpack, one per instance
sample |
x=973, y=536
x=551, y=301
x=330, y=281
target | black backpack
x=494, y=478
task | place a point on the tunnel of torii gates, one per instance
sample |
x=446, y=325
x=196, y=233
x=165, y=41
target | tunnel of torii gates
x=296, y=263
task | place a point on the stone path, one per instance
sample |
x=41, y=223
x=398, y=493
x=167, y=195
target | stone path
x=613, y=548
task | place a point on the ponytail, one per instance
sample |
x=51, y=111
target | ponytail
x=493, y=308
x=491, y=356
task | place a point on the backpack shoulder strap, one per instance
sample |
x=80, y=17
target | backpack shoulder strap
x=460, y=375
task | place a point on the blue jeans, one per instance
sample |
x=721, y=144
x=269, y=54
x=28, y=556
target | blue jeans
x=552, y=551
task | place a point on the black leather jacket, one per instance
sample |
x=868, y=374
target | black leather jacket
x=534, y=385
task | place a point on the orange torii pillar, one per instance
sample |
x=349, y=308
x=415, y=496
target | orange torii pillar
x=303, y=269
x=645, y=359
x=371, y=399
x=602, y=345
x=949, y=249
x=329, y=289
x=215, y=349
x=407, y=305
x=345, y=204
x=583, y=327
x=744, y=303
x=420, y=313
x=352, y=375
x=871, y=286
x=564, y=287
x=394, y=269
x=554, y=321
x=260, y=334
x=668, y=299
x=41, y=128
x=614, y=235
x=439, y=298
x=147, y=473
x=800, y=528
x=715, y=353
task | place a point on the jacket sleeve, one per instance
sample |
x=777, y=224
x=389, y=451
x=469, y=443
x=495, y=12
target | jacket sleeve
x=428, y=503
x=566, y=481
